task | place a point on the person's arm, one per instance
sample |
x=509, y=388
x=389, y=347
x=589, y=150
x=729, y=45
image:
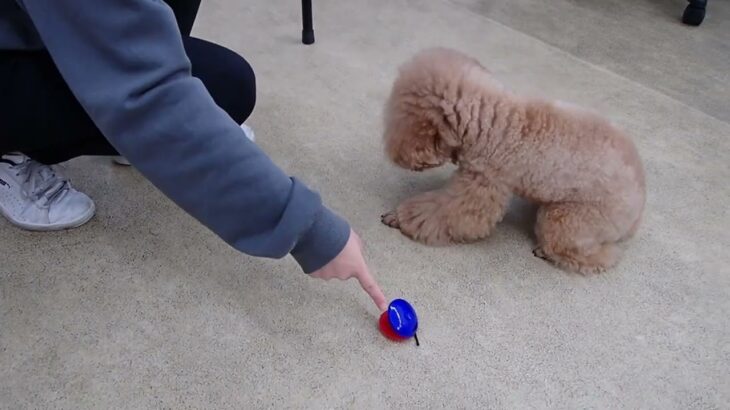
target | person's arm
x=124, y=61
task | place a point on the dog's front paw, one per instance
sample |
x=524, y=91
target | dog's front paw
x=390, y=219
x=408, y=219
x=419, y=219
x=539, y=253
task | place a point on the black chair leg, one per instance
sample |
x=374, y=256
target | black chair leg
x=307, y=26
x=694, y=13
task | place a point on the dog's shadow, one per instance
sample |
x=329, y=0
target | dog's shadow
x=405, y=184
x=521, y=216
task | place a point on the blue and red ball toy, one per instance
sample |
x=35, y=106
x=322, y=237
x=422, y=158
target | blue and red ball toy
x=399, y=322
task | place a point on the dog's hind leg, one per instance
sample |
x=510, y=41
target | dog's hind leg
x=463, y=211
x=577, y=237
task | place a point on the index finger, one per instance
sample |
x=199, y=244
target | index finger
x=371, y=287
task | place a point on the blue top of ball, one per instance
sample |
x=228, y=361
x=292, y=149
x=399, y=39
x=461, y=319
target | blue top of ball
x=402, y=318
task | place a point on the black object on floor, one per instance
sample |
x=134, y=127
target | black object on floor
x=307, y=26
x=694, y=13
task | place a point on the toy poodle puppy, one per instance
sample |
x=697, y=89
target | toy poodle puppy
x=584, y=173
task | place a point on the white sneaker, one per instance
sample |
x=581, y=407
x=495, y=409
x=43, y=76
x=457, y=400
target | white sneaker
x=38, y=197
x=248, y=131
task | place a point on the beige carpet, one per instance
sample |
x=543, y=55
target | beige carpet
x=144, y=308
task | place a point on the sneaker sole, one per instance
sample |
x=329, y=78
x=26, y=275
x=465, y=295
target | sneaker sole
x=55, y=227
x=121, y=161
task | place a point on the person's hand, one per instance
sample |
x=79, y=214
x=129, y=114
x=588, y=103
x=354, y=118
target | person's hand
x=351, y=263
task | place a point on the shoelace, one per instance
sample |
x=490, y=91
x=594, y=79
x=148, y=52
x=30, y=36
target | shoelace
x=41, y=181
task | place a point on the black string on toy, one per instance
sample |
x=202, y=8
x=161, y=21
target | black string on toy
x=415, y=336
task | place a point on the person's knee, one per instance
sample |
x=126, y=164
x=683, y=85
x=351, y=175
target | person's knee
x=243, y=85
x=228, y=77
x=239, y=87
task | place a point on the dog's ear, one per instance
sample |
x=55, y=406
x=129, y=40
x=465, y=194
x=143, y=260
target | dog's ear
x=415, y=141
x=445, y=132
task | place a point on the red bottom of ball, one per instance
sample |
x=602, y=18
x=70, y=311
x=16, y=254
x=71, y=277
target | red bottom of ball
x=387, y=330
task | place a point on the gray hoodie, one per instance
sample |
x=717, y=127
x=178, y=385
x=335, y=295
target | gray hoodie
x=124, y=61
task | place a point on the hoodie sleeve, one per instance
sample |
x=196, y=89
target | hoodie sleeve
x=124, y=61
